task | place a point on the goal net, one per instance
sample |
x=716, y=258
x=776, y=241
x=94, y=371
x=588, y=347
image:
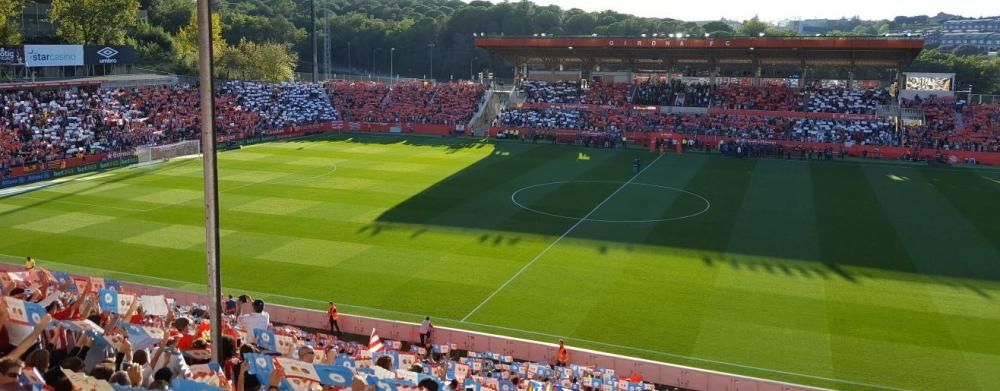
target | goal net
x=166, y=152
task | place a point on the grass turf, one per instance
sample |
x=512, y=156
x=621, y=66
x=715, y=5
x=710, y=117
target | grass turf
x=847, y=275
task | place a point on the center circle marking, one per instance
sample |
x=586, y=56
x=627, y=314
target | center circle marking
x=708, y=205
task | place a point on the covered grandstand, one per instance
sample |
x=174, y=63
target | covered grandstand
x=747, y=57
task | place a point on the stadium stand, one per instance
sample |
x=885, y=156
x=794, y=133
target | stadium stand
x=44, y=125
x=543, y=118
x=845, y=101
x=537, y=91
x=71, y=332
x=608, y=94
x=408, y=102
x=674, y=93
x=40, y=126
x=285, y=104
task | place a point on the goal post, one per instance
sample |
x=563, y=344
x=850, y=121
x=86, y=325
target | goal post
x=169, y=151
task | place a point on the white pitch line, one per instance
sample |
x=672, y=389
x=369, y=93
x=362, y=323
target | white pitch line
x=559, y=239
x=177, y=283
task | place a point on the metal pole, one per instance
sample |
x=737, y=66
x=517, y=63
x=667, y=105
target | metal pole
x=392, y=53
x=348, y=56
x=205, y=89
x=431, y=46
x=312, y=30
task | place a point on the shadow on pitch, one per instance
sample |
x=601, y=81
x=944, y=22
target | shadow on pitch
x=478, y=198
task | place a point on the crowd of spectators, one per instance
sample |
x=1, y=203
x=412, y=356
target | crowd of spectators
x=410, y=102
x=284, y=105
x=726, y=96
x=769, y=98
x=845, y=100
x=673, y=93
x=841, y=131
x=542, y=118
x=608, y=94
x=40, y=126
x=941, y=128
x=67, y=333
x=537, y=91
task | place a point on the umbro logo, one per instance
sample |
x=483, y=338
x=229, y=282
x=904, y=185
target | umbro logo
x=107, y=52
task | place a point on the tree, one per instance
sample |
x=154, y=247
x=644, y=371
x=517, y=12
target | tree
x=10, y=31
x=171, y=14
x=967, y=50
x=863, y=30
x=717, y=26
x=186, y=42
x=753, y=27
x=248, y=60
x=580, y=24
x=94, y=22
x=260, y=29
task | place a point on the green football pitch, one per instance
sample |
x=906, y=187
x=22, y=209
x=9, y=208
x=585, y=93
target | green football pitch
x=849, y=275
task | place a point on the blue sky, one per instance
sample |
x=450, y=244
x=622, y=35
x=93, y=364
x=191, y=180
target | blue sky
x=784, y=9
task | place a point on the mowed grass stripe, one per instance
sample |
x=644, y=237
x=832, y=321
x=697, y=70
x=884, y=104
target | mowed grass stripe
x=964, y=190
x=929, y=240
x=631, y=268
x=776, y=212
x=869, y=238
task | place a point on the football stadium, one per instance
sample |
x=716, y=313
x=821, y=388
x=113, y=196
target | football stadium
x=590, y=212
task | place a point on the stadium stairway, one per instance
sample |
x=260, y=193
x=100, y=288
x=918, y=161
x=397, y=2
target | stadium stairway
x=480, y=122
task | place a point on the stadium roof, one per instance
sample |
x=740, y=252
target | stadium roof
x=633, y=51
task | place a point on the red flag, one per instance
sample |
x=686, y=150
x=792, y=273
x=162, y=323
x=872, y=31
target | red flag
x=374, y=343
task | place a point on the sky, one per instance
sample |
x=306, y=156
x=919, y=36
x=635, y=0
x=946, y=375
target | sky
x=784, y=9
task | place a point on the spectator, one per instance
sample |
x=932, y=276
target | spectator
x=258, y=319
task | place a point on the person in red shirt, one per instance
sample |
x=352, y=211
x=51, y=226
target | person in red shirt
x=334, y=315
x=562, y=356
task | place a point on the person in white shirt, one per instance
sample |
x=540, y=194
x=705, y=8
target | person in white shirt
x=259, y=319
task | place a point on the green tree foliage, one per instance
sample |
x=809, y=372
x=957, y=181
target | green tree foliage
x=248, y=60
x=967, y=50
x=753, y=27
x=185, y=43
x=10, y=30
x=257, y=28
x=95, y=22
x=171, y=15
x=717, y=27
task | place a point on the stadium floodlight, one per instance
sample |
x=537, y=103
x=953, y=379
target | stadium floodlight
x=543, y=34
x=482, y=34
x=707, y=35
x=687, y=35
x=760, y=34
x=593, y=35
x=679, y=35
x=534, y=35
x=570, y=48
x=671, y=35
x=643, y=35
